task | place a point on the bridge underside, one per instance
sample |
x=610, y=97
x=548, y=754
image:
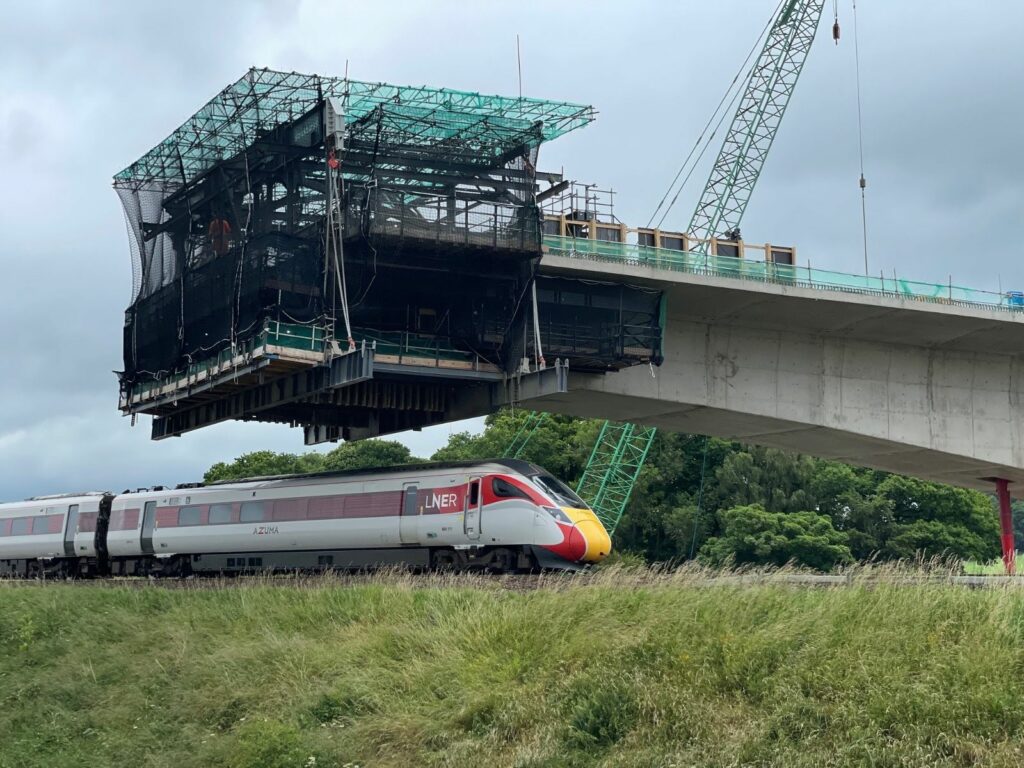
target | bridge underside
x=823, y=442
x=924, y=389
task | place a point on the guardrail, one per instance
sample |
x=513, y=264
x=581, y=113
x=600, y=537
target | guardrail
x=782, y=274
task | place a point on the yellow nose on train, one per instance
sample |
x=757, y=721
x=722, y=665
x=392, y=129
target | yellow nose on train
x=599, y=543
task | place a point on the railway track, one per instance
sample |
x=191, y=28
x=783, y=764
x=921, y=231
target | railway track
x=615, y=577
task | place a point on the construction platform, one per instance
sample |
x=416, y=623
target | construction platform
x=357, y=259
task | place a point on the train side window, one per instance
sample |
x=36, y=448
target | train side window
x=252, y=512
x=220, y=513
x=505, y=490
x=5, y=527
x=41, y=524
x=474, y=493
x=21, y=526
x=190, y=515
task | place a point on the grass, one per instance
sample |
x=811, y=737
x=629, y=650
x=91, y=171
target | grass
x=992, y=568
x=619, y=668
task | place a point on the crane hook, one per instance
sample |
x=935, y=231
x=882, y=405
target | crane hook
x=835, y=31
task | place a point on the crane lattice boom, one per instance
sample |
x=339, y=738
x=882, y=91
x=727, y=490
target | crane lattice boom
x=757, y=119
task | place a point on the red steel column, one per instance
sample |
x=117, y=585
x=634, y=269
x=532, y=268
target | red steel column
x=1006, y=524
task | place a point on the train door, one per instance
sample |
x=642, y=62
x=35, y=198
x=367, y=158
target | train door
x=70, y=530
x=148, y=520
x=408, y=521
x=474, y=506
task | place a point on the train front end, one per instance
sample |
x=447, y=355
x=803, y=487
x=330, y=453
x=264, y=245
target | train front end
x=584, y=538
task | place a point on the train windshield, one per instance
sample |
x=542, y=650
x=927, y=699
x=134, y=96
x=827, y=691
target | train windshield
x=559, y=491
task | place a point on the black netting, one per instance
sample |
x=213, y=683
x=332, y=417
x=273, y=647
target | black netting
x=433, y=204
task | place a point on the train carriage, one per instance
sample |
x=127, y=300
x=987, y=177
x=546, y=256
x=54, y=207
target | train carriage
x=53, y=534
x=504, y=515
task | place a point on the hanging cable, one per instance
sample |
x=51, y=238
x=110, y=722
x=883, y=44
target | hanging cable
x=860, y=144
x=700, y=497
x=538, y=352
x=725, y=97
x=337, y=248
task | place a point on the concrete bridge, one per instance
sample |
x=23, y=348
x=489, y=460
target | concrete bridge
x=897, y=383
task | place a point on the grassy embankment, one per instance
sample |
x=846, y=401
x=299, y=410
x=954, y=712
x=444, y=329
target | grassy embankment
x=615, y=669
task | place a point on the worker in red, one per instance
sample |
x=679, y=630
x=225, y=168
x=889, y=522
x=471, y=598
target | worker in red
x=220, y=234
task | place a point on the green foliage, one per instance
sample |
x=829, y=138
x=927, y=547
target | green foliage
x=560, y=444
x=363, y=454
x=752, y=535
x=619, y=669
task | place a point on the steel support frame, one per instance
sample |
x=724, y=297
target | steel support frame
x=479, y=398
x=1006, y=525
x=344, y=370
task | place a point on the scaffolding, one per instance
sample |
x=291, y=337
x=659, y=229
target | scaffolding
x=297, y=198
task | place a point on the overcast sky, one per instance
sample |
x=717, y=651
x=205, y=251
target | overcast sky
x=86, y=88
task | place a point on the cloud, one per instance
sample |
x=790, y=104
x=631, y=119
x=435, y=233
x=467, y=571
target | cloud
x=89, y=87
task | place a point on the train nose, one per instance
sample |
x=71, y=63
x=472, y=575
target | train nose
x=598, y=542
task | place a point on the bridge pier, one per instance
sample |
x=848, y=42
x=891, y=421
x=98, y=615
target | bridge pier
x=1006, y=525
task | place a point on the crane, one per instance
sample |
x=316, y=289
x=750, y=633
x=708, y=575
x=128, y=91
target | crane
x=621, y=449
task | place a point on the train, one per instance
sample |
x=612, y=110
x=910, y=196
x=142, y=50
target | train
x=498, y=515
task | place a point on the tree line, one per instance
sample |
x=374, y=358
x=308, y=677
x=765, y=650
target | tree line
x=716, y=500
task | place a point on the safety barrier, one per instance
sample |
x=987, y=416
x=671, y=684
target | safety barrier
x=632, y=254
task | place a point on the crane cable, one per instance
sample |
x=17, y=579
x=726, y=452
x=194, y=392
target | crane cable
x=736, y=79
x=860, y=144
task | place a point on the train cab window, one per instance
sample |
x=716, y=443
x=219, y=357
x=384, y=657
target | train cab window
x=220, y=513
x=190, y=515
x=252, y=512
x=559, y=491
x=505, y=490
x=21, y=526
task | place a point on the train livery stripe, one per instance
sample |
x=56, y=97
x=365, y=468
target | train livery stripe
x=341, y=507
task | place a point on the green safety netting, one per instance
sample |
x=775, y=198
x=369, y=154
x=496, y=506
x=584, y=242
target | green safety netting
x=263, y=99
x=785, y=274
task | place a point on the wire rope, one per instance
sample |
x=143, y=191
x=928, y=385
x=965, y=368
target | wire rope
x=700, y=497
x=757, y=43
x=860, y=143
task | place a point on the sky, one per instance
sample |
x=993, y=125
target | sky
x=86, y=88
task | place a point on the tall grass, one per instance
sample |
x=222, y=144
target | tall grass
x=619, y=668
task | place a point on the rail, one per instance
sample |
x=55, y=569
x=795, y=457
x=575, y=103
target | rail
x=632, y=254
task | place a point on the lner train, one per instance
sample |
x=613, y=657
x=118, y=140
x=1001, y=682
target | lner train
x=502, y=515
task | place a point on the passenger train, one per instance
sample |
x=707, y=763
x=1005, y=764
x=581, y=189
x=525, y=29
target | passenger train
x=502, y=515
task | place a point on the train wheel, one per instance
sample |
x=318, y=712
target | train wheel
x=502, y=561
x=444, y=560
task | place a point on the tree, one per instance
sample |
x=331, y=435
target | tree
x=933, y=519
x=778, y=481
x=752, y=535
x=263, y=463
x=364, y=454
x=368, y=454
x=560, y=444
